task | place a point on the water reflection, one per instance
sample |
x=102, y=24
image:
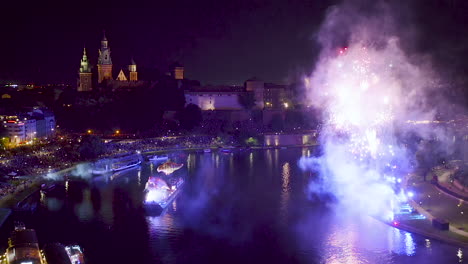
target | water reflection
x=409, y=244
x=259, y=213
x=54, y=204
x=84, y=210
x=286, y=171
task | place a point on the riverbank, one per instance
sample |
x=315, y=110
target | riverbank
x=432, y=204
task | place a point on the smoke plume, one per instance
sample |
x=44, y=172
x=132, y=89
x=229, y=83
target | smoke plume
x=367, y=89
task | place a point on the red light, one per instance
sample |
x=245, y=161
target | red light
x=395, y=223
x=11, y=121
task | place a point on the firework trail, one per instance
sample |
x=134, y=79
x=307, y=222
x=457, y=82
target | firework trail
x=365, y=92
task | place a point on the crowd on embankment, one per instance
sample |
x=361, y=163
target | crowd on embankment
x=62, y=153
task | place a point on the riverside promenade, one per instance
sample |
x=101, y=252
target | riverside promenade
x=432, y=202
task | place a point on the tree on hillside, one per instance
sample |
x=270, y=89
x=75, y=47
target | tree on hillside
x=247, y=100
x=91, y=147
x=277, y=123
x=190, y=116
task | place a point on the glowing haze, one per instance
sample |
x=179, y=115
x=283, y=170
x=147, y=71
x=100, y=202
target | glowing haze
x=365, y=90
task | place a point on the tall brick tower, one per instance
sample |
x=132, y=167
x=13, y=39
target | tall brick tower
x=85, y=74
x=133, y=71
x=104, y=61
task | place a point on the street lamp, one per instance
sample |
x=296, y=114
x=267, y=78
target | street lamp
x=90, y=131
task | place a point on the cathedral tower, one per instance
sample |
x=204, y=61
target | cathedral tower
x=104, y=61
x=85, y=74
x=133, y=71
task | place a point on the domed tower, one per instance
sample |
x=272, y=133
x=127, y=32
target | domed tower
x=104, y=61
x=133, y=71
x=85, y=74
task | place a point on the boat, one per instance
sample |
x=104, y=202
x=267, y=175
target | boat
x=226, y=150
x=159, y=194
x=75, y=253
x=101, y=167
x=116, y=163
x=100, y=170
x=207, y=150
x=169, y=167
x=56, y=253
x=159, y=158
x=124, y=165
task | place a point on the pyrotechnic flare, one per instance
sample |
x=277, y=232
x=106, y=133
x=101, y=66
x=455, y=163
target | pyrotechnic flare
x=362, y=92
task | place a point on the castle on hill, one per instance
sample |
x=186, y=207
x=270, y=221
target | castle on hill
x=126, y=77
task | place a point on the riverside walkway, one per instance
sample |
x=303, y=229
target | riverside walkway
x=432, y=202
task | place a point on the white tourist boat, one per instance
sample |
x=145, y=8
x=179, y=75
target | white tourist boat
x=125, y=165
x=115, y=164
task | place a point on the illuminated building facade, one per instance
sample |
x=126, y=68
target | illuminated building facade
x=104, y=61
x=133, y=74
x=214, y=100
x=85, y=83
x=277, y=96
x=25, y=127
x=20, y=129
x=178, y=71
x=127, y=77
x=267, y=96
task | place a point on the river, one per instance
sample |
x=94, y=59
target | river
x=242, y=207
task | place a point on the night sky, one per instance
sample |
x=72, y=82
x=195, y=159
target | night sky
x=218, y=42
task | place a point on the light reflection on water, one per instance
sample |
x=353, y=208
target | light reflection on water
x=254, y=201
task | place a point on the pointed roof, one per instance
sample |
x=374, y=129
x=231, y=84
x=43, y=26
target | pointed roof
x=104, y=35
x=85, y=67
x=132, y=61
x=121, y=76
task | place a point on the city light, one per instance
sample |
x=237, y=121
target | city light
x=89, y=131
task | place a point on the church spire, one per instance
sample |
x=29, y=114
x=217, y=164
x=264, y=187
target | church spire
x=104, y=51
x=85, y=83
x=104, y=61
x=85, y=63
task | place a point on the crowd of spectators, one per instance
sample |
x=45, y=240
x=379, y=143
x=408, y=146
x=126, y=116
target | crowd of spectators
x=162, y=143
x=38, y=159
x=14, y=186
x=63, y=153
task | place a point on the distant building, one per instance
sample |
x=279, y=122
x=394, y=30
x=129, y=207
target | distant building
x=25, y=127
x=21, y=129
x=45, y=122
x=104, y=61
x=267, y=96
x=277, y=96
x=85, y=83
x=133, y=74
x=127, y=77
x=257, y=87
x=178, y=71
x=215, y=97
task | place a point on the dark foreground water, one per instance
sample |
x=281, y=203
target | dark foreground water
x=245, y=207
